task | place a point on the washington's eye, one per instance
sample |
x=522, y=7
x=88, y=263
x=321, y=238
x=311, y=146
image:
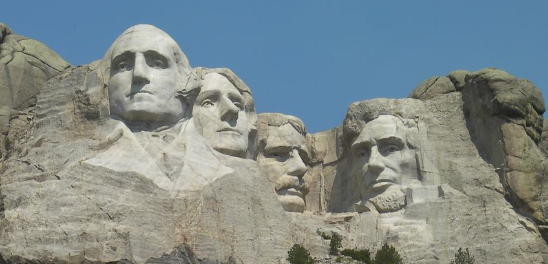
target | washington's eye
x=158, y=63
x=207, y=103
x=124, y=66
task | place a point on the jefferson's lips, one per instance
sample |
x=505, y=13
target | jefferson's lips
x=229, y=129
x=142, y=91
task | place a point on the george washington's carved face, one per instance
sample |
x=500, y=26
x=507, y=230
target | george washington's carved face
x=144, y=77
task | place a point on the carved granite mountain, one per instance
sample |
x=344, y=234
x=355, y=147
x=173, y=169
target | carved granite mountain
x=459, y=164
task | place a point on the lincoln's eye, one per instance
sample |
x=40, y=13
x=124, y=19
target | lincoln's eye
x=362, y=152
x=392, y=148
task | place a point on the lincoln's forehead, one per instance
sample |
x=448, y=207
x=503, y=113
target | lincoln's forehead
x=385, y=126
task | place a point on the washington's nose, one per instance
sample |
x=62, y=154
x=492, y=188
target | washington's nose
x=140, y=70
x=375, y=163
x=228, y=111
x=297, y=167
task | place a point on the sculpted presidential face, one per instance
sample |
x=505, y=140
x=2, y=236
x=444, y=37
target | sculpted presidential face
x=282, y=157
x=219, y=115
x=378, y=157
x=144, y=77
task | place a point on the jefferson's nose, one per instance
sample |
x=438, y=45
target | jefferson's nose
x=228, y=110
x=376, y=161
x=140, y=70
x=296, y=166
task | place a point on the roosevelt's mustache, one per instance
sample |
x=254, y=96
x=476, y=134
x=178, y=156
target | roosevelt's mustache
x=287, y=182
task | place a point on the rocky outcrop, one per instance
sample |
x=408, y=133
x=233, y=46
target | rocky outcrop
x=25, y=65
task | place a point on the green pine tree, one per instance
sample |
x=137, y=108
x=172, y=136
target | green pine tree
x=388, y=255
x=463, y=257
x=335, y=244
x=299, y=255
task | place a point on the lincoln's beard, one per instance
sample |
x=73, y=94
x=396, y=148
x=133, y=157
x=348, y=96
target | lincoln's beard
x=391, y=200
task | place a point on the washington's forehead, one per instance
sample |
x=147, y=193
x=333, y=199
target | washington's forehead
x=142, y=41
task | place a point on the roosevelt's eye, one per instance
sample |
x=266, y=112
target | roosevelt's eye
x=392, y=148
x=207, y=103
x=279, y=156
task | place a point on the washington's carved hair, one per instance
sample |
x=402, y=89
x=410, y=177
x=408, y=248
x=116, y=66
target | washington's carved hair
x=181, y=60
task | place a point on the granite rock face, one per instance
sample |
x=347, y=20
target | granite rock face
x=25, y=65
x=96, y=172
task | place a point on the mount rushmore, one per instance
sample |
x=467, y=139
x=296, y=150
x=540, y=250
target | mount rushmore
x=141, y=158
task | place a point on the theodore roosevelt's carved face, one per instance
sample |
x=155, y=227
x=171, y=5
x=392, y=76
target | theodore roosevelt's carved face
x=144, y=77
x=378, y=156
x=283, y=159
x=219, y=115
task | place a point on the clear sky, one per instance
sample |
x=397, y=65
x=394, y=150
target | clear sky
x=310, y=59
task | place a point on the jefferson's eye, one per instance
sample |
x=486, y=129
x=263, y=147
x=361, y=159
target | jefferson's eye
x=239, y=105
x=207, y=103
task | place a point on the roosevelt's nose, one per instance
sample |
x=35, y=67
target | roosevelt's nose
x=376, y=161
x=140, y=70
x=296, y=166
x=228, y=110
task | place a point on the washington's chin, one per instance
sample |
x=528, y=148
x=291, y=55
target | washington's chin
x=292, y=203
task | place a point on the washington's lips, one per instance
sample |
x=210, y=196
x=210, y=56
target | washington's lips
x=139, y=92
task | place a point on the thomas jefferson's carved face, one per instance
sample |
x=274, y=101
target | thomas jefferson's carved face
x=283, y=161
x=219, y=116
x=377, y=158
x=144, y=79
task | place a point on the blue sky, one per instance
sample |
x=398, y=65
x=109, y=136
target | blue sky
x=310, y=59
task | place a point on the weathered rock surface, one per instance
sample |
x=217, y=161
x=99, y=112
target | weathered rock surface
x=459, y=165
x=25, y=65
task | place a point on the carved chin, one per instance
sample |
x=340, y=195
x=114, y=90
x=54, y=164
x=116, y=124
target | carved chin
x=292, y=203
x=393, y=199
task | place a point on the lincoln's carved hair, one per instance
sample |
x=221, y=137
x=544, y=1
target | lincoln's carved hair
x=361, y=113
